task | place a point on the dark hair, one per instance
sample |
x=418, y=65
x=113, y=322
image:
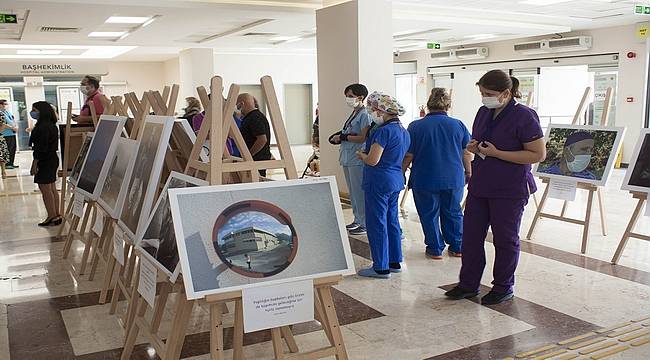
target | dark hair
x=46, y=112
x=498, y=80
x=439, y=100
x=3, y=102
x=92, y=81
x=357, y=90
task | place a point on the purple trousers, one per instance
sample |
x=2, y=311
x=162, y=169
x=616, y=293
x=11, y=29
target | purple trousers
x=504, y=216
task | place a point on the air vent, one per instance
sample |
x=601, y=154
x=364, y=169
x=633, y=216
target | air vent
x=259, y=34
x=563, y=43
x=528, y=46
x=56, y=29
x=441, y=55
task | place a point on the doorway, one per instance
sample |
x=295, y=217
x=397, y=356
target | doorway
x=298, y=113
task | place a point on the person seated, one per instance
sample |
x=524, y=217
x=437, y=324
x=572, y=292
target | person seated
x=576, y=156
x=90, y=88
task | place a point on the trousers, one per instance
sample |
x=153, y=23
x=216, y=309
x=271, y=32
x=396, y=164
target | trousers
x=382, y=225
x=11, y=145
x=354, y=180
x=441, y=217
x=504, y=216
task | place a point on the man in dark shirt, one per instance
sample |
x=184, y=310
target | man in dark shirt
x=255, y=129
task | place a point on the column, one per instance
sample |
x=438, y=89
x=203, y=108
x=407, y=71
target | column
x=196, y=69
x=355, y=45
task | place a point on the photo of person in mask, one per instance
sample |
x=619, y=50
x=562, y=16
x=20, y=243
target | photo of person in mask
x=576, y=156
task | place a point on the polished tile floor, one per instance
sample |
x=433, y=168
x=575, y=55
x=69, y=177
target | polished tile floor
x=49, y=311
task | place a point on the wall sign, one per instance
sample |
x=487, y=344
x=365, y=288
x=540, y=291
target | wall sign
x=52, y=68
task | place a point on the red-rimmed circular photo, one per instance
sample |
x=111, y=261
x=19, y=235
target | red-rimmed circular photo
x=255, y=238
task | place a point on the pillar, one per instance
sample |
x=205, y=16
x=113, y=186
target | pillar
x=196, y=69
x=355, y=45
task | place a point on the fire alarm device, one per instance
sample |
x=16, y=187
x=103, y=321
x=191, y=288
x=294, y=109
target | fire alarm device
x=629, y=99
x=631, y=55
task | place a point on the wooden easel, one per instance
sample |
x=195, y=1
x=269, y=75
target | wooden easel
x=217, y=125
x=585, y=186
x=629, y=230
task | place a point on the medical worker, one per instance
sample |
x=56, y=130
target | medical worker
x=440, y=166
x=506, y=140
x=352, y=137
x=382, y=183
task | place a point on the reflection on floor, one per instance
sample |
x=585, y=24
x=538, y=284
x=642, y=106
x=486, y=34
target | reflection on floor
x=48, y=311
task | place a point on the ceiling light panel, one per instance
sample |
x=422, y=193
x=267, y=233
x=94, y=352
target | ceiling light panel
x=106, y=34
x=38, y=52
x=20, y=51
x=127, y=19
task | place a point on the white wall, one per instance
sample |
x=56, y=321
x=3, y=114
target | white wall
x=139, y=76
x=171, y=76
x=621, y=40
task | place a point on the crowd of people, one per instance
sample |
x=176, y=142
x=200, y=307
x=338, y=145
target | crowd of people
x=494, y=162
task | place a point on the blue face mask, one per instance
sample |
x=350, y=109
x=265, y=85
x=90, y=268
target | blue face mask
x=34, y=114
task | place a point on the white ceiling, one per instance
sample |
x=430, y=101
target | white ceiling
x=415, y=22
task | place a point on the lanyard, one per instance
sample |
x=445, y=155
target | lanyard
x=348, y=122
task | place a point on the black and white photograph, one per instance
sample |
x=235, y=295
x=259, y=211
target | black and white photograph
x=637, y=177
x=101, y=148
x=159, y=241
x=146, y=173
x=113, y=189
x=232, y=237
x=78, y=163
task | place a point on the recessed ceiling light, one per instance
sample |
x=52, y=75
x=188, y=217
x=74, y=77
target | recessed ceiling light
x=543, y=2
x=38, y=52
x=128, y=19
x=148, y=22
x=282, y=38
x=107, y=34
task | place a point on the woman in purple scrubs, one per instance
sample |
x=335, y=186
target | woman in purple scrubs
x=506, y=140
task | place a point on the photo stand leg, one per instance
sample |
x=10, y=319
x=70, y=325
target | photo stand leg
x=67, y=214
x=82, y=230
x=88, y=238
x=99, y=249
x=123, y=278
x=131, y=307
x=402, y=203
x=587, y=222
x=110, y=261
x=629, y=230
x=538, y=213
x=601, y=207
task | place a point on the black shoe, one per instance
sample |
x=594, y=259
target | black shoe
x=56, y=221
x=47, y=222
x=457, y=293
x=493, y=298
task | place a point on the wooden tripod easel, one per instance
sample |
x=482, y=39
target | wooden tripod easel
x=629, y=230
x=218, y=124
x=589, y=187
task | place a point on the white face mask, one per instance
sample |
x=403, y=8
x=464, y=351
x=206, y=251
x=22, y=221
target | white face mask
x=579, y=163
x=83, y=89
x=491, y=102
x=352, y=102
x=376, y=118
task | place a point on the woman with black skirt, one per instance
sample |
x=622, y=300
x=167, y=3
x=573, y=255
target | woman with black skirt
x=45, y=140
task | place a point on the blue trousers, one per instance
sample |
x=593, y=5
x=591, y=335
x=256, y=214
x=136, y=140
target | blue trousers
x=504, y=217
x=441, y=217
x=382, y=225
x=354, y=179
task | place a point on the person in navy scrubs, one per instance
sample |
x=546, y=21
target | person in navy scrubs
x=506, y=140
x=440, y=166
x=382, y=183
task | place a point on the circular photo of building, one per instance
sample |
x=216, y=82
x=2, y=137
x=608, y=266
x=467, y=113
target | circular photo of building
x=255, y=238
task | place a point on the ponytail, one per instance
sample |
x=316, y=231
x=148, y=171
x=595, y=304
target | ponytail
x=514, y=90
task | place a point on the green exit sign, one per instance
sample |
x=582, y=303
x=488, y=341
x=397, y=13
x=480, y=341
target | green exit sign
x=642, y=9
x=8, y=19
x=434, y=46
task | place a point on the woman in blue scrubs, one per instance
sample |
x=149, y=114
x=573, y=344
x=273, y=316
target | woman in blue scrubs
x=506, y=139
x=353, y=135
x=440, y=166
x=382, y=183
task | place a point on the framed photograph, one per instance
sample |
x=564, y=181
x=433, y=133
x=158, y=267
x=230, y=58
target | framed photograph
x=113, y=190
x=585, y=154
x=78, y=163
x=143, y=182
x=158, y=243
x=637, y=176
x=102, y=147
x=232, y=237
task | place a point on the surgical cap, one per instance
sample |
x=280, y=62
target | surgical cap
x=386, y=103
x=576, y=137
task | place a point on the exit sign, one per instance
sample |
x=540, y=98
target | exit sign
x=8, y=19
x=640, y=9
x=434, y=46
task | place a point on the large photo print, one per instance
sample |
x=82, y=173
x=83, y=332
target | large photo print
x=232, y=237
x=113, y=189
x=79, y=162
x=637, y=177
x=146, y=173
x=584, y=154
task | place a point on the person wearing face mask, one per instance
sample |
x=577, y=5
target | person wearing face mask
x=576, y=156
x=255, y=128
x=352, y=137
x=90, y=88
x=506, y=139
x=44, y=140
x=382, y=183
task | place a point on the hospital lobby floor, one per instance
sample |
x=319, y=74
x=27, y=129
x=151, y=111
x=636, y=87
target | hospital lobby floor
x=47, y=311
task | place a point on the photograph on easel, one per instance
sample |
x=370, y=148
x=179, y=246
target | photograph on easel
x=232, y=237
x=159, y=241
x=585, y=154
x=637, y=177
x=76, y=168
x=143, y=182
x=101, y=148
x=113, y=190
